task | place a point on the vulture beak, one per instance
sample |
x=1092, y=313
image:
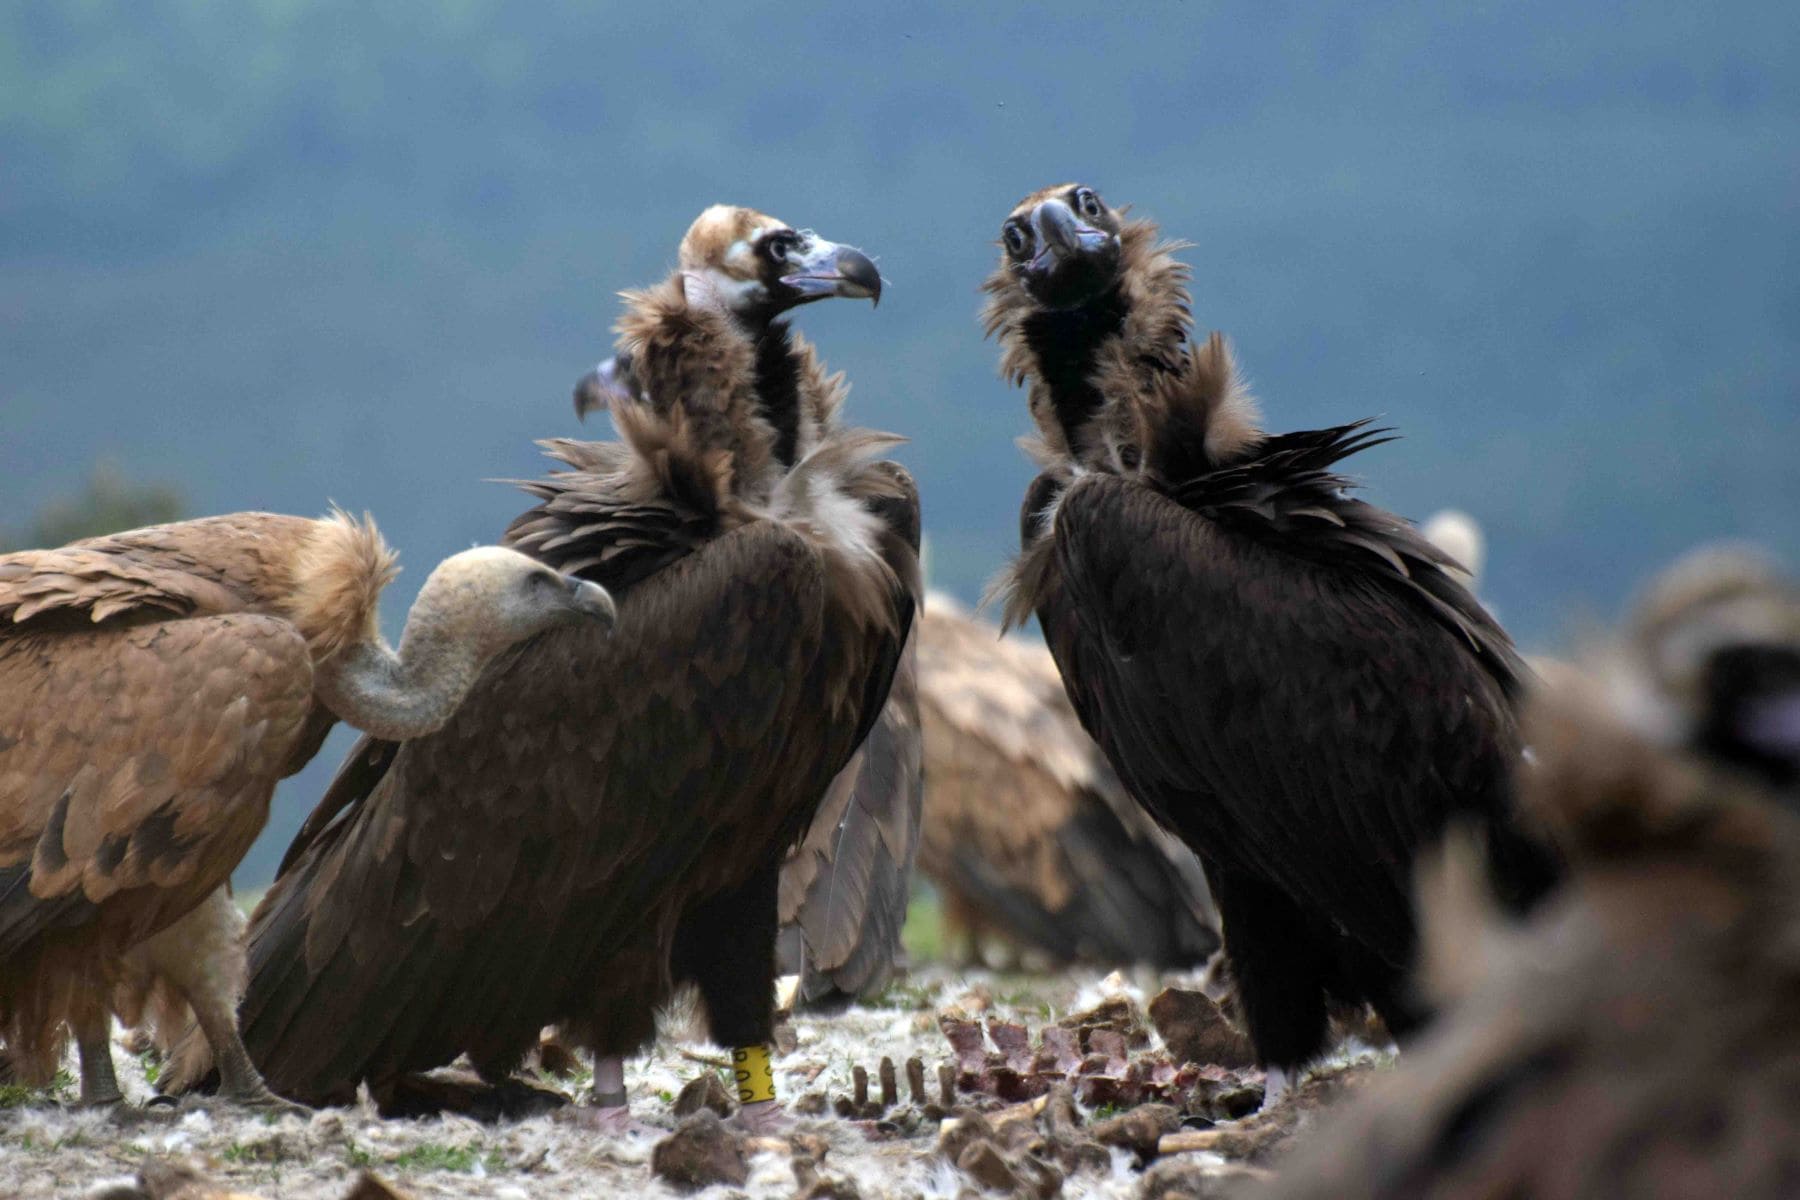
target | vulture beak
x=1074, y=260
x=602, y=387
x=592, y=601
x=822, y=269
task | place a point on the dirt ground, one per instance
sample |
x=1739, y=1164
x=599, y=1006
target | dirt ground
x=1042, y=1128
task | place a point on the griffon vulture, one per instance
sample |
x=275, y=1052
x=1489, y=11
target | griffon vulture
x=1639, y=1036
x=845, y=887
x=567, y=846
x=1288, y=678
x=1027, y=829
x=154, y=686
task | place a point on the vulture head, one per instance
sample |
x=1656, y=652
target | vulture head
x=1062, y=246
x=756, y=268
x=759, y=267
x=1714, y=662
x=491, y=597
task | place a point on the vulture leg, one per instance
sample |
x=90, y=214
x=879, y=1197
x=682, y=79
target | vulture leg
x=93, y=1038
x=609, y=1114
x=726, y=946
x=202, y=957
x=1274, y=958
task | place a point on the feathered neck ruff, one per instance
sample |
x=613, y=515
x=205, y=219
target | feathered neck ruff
x=718, y=434
x=1087, y=370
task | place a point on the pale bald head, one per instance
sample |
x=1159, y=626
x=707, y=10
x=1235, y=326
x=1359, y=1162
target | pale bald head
x=757, y=266
x=494, y=597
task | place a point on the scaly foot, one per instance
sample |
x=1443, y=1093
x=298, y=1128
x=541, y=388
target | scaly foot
x=610, y=1120
x=763, y=1118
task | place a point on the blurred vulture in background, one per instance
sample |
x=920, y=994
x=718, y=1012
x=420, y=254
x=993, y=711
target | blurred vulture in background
x=1292, y=679
x=605, y=819
x=1028, y=833
x=1641, y=1036
x=154, y=686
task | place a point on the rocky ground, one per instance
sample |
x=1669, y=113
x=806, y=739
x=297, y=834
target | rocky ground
x=995, y=1084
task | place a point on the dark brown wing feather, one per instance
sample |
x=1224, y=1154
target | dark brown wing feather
x=478, y=890
x=1303, y=707
x=1027, y=828
x=844, y=889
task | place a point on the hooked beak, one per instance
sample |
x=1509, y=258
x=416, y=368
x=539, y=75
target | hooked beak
x=1074, y=261
x=827, y=269
x=1063, y=235
x=605, y=385
x=592, y=601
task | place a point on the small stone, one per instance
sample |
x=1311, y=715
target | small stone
x=1185, y=1177
x=784, y=1040
x=705, y=1090
x=958, y=1131
x=831, y=1187
x=982, y=1161
x=1139, y=1130
x=1196, y=1030
x=555, y=1057
x=812, y=1104
x=373, y=1187
x=701, y=1152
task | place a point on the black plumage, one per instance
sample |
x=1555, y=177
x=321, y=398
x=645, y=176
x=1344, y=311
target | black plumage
x=1286, y=676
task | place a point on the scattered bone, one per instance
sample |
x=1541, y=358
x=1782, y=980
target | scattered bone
x=915, y=1081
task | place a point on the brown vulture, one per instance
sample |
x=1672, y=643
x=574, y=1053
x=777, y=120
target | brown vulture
x=845, y=888
x=606, y=818
x=1639, y=1037
x=154, y=686
x=1287, y=677
x=1028, y=832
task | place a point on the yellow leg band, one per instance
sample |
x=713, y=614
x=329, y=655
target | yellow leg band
x=754, y=1076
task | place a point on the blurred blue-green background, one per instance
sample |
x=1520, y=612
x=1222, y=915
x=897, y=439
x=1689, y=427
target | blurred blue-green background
x=274, y=252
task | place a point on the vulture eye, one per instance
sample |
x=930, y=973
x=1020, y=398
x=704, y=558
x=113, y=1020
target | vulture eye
x=1014, y=237
x=1088, y=203
x=781, y=245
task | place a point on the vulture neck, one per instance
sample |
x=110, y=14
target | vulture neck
x=778, y=387
x=1066, y=345
x=409, y=693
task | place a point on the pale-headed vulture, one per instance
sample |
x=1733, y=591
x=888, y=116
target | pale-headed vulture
x=1289, y=678
x=154, y=686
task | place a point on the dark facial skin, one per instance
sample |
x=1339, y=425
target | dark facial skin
x=1063, y=245
x=798, y=268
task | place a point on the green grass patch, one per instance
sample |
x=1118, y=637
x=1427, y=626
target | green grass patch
x=430, y=1156
x=923, y=933
x=61, y=1090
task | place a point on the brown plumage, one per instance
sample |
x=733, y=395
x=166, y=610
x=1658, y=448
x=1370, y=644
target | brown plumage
x=1288, y=678
x=604, y=819
x=154, y=685
x=1028, y=832
x=845, y=887
x=1639, y=1037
